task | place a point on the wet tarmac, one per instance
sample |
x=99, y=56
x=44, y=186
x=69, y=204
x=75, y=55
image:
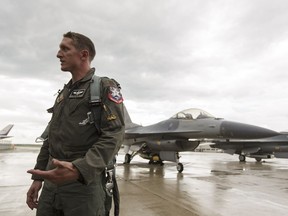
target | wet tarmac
x=212, y=184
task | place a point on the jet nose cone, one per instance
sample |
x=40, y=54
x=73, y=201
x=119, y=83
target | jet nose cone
x=244, y=131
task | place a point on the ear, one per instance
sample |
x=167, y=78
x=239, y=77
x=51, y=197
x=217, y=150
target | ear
x=84, y=54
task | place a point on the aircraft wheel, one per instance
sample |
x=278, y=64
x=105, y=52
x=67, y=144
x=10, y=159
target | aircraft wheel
x=258, y=159
x=242, y=158
x=127, y=158
x=180, y=167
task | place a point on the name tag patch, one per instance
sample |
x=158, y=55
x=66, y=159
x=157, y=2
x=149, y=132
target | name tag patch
x=77, y=93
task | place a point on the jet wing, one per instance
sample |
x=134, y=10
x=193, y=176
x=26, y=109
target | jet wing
x=162, y=134
x=277, y=145
x=4, y=136
x=283, y=138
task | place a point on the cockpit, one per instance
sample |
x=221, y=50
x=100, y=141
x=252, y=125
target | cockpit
x=191, y=114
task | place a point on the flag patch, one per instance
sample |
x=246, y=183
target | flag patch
x=115, y=95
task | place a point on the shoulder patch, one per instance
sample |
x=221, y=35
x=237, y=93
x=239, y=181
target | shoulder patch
x=115, y=95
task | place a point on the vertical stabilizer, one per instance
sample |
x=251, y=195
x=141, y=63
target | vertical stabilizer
x=6, y=130
x=127, y=119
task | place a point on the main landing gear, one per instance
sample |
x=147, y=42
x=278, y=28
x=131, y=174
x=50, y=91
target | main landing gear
x=127, y=158
x=180, y=167
x=156, y=160
x=242, y=158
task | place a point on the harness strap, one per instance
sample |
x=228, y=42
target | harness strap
x=95, y=101
x=95, y=90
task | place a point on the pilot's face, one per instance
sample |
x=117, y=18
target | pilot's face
x=69, y=56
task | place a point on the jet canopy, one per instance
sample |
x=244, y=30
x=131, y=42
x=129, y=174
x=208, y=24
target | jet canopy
x=191, y=114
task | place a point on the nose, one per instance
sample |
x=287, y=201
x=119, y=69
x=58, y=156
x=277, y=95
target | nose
x=59, y=54
x=244, y=131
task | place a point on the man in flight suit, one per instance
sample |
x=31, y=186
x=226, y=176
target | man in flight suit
x=73, y=158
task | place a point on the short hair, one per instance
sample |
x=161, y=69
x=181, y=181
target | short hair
x=82, y=42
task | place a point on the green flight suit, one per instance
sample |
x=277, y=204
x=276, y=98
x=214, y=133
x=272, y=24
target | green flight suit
x=73, y=138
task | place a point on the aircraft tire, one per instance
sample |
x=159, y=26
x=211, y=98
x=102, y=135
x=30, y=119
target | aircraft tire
x=180, y=167
x=242, y=158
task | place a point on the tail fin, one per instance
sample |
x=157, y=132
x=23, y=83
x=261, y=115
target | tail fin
x=6, y=130
x=127, y=119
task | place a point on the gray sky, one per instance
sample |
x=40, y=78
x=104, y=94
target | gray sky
x=226, y=57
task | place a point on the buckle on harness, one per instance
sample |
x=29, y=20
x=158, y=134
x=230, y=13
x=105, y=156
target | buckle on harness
x=95, y=102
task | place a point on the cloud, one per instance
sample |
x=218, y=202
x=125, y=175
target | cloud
x=227, y=57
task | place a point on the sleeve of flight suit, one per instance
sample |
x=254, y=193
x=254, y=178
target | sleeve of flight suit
x=111, y=136
x=42, y=159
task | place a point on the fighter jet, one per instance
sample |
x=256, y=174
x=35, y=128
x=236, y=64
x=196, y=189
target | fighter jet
x=183, y=132
x=276, y=146
x=4, y=132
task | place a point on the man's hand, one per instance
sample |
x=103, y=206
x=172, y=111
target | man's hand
x=63, y=173
x=32, y=194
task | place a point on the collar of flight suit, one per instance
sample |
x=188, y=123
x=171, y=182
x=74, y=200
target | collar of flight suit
x=86, y=78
